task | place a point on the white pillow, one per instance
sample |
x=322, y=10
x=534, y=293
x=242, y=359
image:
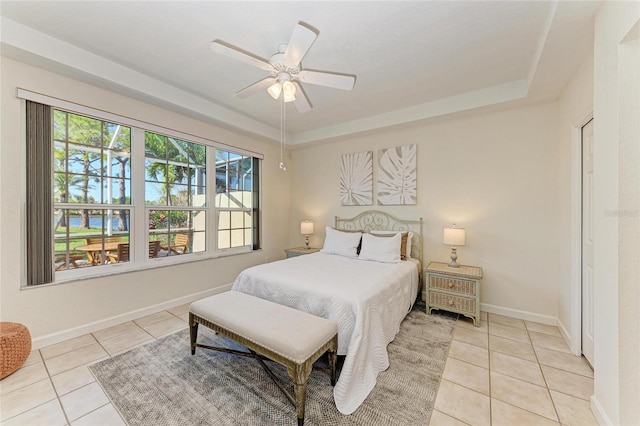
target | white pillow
x=341, y=243
x=381, y=249
x=407, y=252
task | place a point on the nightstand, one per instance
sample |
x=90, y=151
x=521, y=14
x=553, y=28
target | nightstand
x=453, y=289
x=300, y=251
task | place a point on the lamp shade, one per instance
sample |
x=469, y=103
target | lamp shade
x=306, y=227
x=453, y=236
x=289, y=91
x=274, y=90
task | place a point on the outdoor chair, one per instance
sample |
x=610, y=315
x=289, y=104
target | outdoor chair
x=154, y=249
x=180, y=244
x=75, y=260
x=122, y=255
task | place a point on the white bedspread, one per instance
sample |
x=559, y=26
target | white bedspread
x=368, y=301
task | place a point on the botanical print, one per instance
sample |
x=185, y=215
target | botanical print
x=397, y=183
x=356, y=179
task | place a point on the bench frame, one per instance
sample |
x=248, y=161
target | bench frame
x=299, y=372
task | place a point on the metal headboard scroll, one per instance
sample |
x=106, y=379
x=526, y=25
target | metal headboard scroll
x=373, y=220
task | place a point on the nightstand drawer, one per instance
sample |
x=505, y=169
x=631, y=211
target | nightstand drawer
x=451, y=302
x=453, y=289
x=454, y=285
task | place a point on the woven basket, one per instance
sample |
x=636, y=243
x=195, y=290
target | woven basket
x=15, y=347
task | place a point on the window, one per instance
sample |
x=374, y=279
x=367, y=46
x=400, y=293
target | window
x=91, y=190
x=127, y=194
x=234, y=199
x=176, y=194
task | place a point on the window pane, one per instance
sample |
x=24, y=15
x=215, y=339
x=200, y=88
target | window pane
x=90, y=237
x=155, y=194
x=180, y=195
x=59, y=125
x=247, y=198
x=237, y=238
x=224, y=240
x=155, y=145
x=155, y=169
x=237, y=219
x=179, y=231
x=116, y=191
x=224, y=220
x=91, y=160
x=178, y=164
x=234, y=228
x=85, y=130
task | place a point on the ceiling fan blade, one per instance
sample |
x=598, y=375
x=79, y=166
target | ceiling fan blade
x=329, y=79
x=256, y=87
x=238, y=54
x=301, y=40
x=302, y=102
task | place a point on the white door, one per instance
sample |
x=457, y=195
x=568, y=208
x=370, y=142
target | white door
x=587, y=241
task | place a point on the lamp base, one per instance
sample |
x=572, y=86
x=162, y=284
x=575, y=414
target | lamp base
x=454, y=257
x=306, y=242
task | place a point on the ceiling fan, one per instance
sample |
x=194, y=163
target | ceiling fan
x=285, y=70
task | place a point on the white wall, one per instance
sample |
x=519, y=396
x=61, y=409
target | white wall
x=60, y=311
x=616, y=136
x=575, y=106
x=495, y=173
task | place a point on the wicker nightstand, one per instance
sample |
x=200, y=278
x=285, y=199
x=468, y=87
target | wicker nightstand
x=453, y=289
x=300, y=251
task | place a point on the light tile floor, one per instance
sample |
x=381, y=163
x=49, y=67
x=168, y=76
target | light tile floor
x=505, y=372
x=512, y=372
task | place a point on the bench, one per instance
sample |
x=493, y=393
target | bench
x=290, y=337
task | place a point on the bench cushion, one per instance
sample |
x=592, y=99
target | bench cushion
x=291, y=333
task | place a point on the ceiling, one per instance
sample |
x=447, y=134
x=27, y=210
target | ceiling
x=413, y=59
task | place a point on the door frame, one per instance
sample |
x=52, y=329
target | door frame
x=576, y=233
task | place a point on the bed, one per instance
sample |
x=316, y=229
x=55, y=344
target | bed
x=368, y=299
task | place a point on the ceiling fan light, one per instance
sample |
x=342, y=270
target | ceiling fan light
x=275, y=89
x=289, y=97
x=289, y=89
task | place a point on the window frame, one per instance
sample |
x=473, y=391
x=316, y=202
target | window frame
x=138, y=232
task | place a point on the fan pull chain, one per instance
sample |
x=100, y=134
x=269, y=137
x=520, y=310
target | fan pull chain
x=282, y=135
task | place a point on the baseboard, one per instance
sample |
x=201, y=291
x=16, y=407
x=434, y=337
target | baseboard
x=598, y=412
x=516, y=313
x=567, y=338
x=53, y=338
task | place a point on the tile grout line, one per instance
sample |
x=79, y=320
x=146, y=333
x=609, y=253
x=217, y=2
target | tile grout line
x=555, y=409
x=442, y=378
x=55, y=391
x=96, y=380
x=546, y=386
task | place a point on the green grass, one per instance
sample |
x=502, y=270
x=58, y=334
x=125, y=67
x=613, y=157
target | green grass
x=76, y=238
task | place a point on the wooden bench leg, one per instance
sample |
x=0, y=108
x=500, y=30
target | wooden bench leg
x=193, y=332
x=300, y=389
x=333, y=358
x=299, y=374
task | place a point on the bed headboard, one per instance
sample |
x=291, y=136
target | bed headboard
x=373, y=220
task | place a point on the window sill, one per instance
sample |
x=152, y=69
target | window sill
x=63, y=277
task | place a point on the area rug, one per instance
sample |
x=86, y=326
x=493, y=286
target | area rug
x=161, y=383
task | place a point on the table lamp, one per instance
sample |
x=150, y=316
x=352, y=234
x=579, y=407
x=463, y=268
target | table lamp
x=306, y=229
x=454, y=237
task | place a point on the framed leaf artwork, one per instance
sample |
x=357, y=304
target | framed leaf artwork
x=397, y=181
x=356, y=179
